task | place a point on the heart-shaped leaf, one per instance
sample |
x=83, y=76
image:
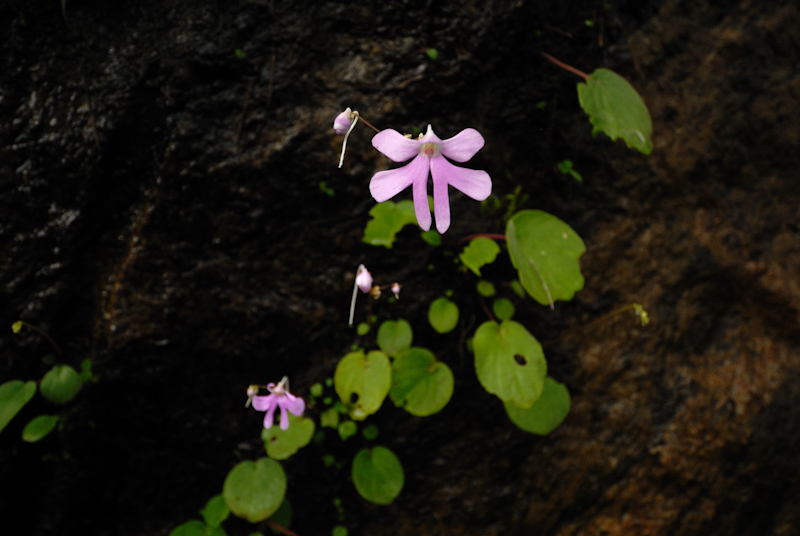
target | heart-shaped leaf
x=281, y=444
x=394, y=337
x=378, y=475
x=420, y=384
x=255, y=490
x=388, y=218
x=362, y=382
x=479, y=252
x=546, y=413
x=443, y=315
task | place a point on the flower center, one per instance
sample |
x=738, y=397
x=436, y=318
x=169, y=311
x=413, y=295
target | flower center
x=429, y=149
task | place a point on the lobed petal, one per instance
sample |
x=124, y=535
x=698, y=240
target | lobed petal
x=387, y=184
x=269, y=417
x=463, y=145
x=441, y=201
x=396, y=146
x=475, y=183
x=420, y=195
x=294, y=404
x=263, y=403
x=284, y=419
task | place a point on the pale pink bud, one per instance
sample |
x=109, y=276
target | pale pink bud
x=363, y=279
x=342, y=122
x=396, y=289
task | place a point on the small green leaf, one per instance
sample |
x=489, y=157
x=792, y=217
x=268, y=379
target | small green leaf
x=486, y=289
x=329, y=418
x=370, y=432
x=215, y=511
x=347, y=429
x=378, y=475
x=420, y=384
x=443, y=315
x=281, y=444
x=509, y=362
x=432, y=237
x=546, y=252
x=432, y=53
x=516, y=286
x=503, y=309
x=641, y=313
x=616, y=109
x=479, y=252
x=13, y=397
x=362, y=382
x=190, y=528
x=546, y=413
x=565, y=167
x=39, y=427
x=388, y=218
x=255, y=490
x=362, y=328
x=394, y=337
x=16, y=326
x=316, y=390
x=339, y=530
x=61, y=384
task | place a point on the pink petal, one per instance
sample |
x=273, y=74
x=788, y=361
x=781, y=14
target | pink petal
x=387, y=184
x=441, y=202
x=463, y=145
x=475, y=183
x=284, y=419
x=420, y=195
x=295, y=405
x=263, y=403
x=395, y=145
x=269, y=417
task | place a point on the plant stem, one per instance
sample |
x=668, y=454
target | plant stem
x=368, y=123
x=566, y=67
x=45, y=335
x=484, y=235
x=281, y=528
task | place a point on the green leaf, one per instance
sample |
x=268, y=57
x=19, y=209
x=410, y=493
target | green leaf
x=329, y=418
x=215, y=511
x=486, y=289
x=443, y=315
x=370, y=432
x=281, y=444
x=432, y=53
x=616, y=109
x=546, y=413
x=362, y=382
x=38, y=428
x=509, y=362
x=190, y=528
x=347, y=429
x=16, y=326
x=378, y=475
x=339, y=530
x=61, y=384
x=388, y=218
x=420, y=384
x=503, y=309
x=479, y=252
x=255, y=490
x=13, y=397
x=546, y=252
x=394, y=337
x=432, y=237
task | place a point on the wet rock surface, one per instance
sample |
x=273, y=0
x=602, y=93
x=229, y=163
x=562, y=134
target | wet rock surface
x=162, y=216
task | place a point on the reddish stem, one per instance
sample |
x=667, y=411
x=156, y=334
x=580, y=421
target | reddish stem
x=484, y=235
x=281, y=528
x=370, y=125
x=566, y=67
x=486, y=309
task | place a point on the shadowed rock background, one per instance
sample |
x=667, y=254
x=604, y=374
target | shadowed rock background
x=161, y=214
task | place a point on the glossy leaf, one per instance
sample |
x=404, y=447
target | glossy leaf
x=509, y=362
x=479, y=252
x=362, y=382
x=39, y=427
x=388, y=218
x=546, y=252
x=378, y=475
x=443, y=315
x=281, y=444
x=420, y=384
x=546, y=414
x=394, y=336
x=13, y=397
x=616, y=109
x=61, y=384
x=255, y=490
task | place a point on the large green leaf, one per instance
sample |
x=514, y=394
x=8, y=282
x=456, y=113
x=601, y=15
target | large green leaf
x=255, y=490
x=61, y=384
x=546, y=413
x=13, y=397
x=362, y=382
x=420, y=384
x=281, y=444
x=615, y=108
x=509, y=362
x=39, y=427
x=378, y=475
x=479, y=252
x=388, y=218
x=394, y=337
x=546, y=252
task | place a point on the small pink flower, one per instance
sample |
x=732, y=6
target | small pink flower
x=363, y=279
x=279, y=397
x=428, y=153
x=396, y=290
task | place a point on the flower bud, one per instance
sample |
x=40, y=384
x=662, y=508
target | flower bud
x=342, y=122
x=363, y=279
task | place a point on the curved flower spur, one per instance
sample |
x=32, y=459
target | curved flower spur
x=430, y=154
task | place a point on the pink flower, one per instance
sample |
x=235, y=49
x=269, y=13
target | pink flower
x=342, y=122
x=363, y=279
x=279, y=397
x=428, y=153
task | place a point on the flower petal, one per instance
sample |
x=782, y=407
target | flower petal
x=420, y=195
x=463, y=145
x=430, y=137
x=395, y=145
x=342, y=122
x=284, y=419
x=269, y=417
x=295, y=405
x=441, y=202
x=475, y=183
x=263, y=403
x=387, y=184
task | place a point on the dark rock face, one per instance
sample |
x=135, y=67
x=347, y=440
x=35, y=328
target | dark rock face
x=162, y=216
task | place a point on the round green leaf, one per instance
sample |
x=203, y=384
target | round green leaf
x=362, y=382
x=546, y=413
x=39, y=427
x=443, y=315
x=190, y=528
x=378, y=475
x=503, y=309
x=61, y=384
x=281, y=444
x=615, y=108
x=347, y=429
x=13, y=397
x=545, y=251
x=255, y=490
x=509, y=362
x=486, y=288
x=479, y=252
x=215, y=511
x=394, y=337
x=388, y=218
x=420, y=384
